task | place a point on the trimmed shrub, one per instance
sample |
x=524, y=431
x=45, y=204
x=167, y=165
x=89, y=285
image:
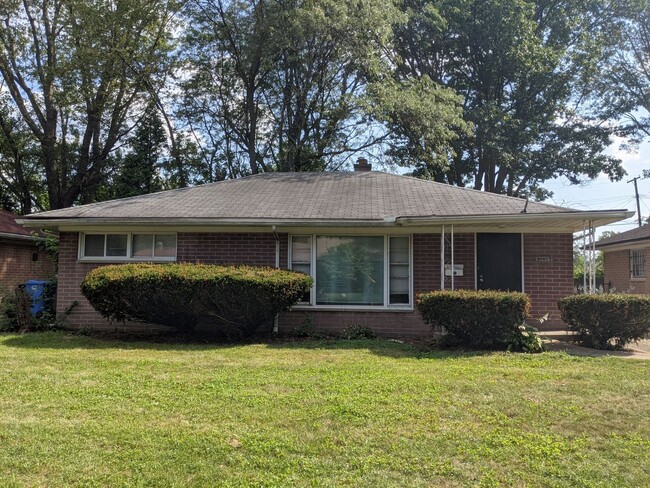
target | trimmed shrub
x=477, y=319
x=606, y=321
x=233, y=300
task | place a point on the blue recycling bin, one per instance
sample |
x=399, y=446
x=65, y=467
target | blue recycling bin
x=35, y=289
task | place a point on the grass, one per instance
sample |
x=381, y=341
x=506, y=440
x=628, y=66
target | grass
x=81, y=411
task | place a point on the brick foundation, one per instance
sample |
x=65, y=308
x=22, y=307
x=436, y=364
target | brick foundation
x=546, y=280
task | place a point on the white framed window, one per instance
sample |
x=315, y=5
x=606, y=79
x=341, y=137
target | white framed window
x=300, y=259
x=127, y=246
x=399, y=262
x=355, y=271
x=637, y=263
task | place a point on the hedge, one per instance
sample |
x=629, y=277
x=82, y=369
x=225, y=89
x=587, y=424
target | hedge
x=606, y=321
x=233, y=300
x=477, y=319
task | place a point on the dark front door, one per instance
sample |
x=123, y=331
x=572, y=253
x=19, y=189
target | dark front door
x=498, y=261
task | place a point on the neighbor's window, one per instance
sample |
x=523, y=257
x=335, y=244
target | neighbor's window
x=349, y=270
x=637, y=264
x=301, y=259
x=129, y=246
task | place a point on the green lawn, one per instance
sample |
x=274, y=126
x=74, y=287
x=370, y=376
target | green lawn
x=81, y=411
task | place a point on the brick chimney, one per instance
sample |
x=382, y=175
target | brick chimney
x=362, y=164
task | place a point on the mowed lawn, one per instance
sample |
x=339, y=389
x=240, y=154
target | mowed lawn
x=81, y=411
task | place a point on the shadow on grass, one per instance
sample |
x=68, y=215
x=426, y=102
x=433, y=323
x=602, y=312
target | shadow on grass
x=174, y=341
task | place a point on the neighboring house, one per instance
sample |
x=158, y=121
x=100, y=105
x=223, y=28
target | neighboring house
x=371, y=240
x=625, y=256
x=20, y=257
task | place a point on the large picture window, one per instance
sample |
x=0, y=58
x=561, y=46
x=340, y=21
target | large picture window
x=128, y=246
x=349, y=270
x=353, y=271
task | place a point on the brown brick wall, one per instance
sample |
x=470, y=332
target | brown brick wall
x=17, y=265
x=548, y=281
x=221, y=248
x=617, y=272
x=208, y=248
x=545, y=281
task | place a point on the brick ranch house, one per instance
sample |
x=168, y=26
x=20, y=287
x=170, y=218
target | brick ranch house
x=625, y=256
x=20, y=257
x=371, y=240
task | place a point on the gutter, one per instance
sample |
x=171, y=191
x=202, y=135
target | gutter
x=20, y=237
x=578, y=214
x=622, y=243
x=387, y=222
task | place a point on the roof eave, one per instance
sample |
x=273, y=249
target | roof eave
x=572, y=219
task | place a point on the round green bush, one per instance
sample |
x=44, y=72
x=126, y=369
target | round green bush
x=233, y=300
x=607, y=321
x=477, y=319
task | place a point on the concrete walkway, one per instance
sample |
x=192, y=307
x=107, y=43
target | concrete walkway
x=561, y=340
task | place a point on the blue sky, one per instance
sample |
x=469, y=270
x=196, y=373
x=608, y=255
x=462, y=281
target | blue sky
x=602, y=194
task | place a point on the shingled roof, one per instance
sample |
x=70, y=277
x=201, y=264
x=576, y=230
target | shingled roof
x=630, y=236
x=9, y=228
x=300, y=197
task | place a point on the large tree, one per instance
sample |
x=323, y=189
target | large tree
x=524, y=69
x=22, y=187
x=140, y=171
x=75, y=70
x=300, y=85
x=624, y=93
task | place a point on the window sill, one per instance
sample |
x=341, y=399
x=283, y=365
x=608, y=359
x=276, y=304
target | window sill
x=351, y=308
x=117, y=260
x=637, y=280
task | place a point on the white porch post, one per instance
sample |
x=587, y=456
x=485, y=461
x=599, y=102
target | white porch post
x=452, y=257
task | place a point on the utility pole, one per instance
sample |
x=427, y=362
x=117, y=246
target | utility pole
x=638, y=205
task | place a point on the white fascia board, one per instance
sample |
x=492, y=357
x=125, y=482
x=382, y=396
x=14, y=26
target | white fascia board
x=567, y=220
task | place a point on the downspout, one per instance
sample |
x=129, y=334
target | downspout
x=442, y=258
x=277, y=266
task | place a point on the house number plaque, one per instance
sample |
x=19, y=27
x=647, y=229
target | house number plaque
x=544, y=259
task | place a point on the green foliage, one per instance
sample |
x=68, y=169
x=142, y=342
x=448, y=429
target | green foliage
x=14, y=310
x=139, y=173
x=523, y=69
x=76, y=72
x=607, y=321
x=478, y=319
x=526, y=340
x=48, y=241
x=233, y=300
x=624, y=91
x=289, y=92
x=579, y=266
x=306, y=328
x=15, y=313
x=358, y=331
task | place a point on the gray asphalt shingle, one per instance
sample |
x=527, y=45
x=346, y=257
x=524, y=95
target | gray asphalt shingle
x=304, y=196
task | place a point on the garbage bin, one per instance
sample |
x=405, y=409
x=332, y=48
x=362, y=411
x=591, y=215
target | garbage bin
x=35, y=289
